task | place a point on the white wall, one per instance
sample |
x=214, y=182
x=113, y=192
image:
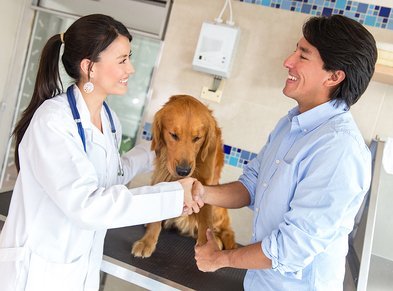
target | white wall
x=386, y=3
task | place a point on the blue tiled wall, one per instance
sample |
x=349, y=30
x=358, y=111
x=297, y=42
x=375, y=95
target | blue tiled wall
x=235, y=157
x=367, y=14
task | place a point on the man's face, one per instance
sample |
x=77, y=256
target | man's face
x=307, y=81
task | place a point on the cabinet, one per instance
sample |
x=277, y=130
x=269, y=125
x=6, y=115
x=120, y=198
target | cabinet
x=370, y=250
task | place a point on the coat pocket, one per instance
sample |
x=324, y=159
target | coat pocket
x=46, y=275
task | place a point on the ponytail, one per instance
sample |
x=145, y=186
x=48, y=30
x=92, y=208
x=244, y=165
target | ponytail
x=47, y=85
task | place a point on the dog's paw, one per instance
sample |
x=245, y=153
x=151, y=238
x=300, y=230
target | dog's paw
x=141, y=249
x=228, y=240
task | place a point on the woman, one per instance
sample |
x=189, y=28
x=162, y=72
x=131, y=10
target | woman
x=70, y=187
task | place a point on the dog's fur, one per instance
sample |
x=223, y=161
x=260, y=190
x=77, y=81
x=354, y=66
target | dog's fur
x=187, y=142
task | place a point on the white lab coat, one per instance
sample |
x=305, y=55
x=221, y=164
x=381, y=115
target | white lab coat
x=64, y=201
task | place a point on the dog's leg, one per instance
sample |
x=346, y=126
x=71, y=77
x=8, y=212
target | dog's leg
x=147, y=244
x=205, y=221
x=223, y=229
x=227, y=237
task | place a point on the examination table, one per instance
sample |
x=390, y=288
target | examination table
x=171, y=267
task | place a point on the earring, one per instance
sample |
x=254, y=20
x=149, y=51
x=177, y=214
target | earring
x=88, y=87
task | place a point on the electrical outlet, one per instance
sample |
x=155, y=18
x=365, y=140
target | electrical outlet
x=211, y=95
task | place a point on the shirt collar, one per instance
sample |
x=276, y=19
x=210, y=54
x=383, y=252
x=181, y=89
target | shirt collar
x=316, y=116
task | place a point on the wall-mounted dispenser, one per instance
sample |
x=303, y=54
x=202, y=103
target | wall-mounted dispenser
x=216, y=48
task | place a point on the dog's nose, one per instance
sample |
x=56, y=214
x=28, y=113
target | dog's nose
x=183, y=170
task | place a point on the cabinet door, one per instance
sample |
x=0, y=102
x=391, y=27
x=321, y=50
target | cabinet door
x=129, y=107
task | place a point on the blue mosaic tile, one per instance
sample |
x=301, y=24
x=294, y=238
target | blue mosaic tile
x=306, y=8
x=227, y=149
x=245, y=155
x=370, y=20
x=362, y=8
x=367, y=14
x=233, y=161
x=384, y=12
x=286, y=4
x=340, y=4
x=327, y=11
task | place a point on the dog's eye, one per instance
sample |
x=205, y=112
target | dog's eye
x=174, y=136
x=195, y=139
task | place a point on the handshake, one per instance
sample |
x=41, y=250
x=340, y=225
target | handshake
x=193, y=195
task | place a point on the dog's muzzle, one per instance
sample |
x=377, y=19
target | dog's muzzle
x=183, y=169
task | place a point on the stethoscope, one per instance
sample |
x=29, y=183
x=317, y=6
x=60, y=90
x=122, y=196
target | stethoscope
x=75, y=114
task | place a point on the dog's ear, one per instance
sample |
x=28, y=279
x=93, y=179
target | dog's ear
x=156, y=131
x=210, y=142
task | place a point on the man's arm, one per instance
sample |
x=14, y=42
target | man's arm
x=209, y=258
x=231, y=195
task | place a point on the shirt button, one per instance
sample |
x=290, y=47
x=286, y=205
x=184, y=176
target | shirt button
x=304, y=130
x=257, y=209
x=264, y=185
x=277, y=162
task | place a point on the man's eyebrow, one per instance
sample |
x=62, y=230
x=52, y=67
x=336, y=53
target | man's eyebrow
x=303, y=49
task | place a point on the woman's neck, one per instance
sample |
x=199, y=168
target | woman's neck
x=94, y=102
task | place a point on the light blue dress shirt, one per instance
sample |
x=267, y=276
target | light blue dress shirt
x=306, y=186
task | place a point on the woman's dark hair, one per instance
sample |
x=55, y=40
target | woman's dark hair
x=346, y=45
x=86, y=38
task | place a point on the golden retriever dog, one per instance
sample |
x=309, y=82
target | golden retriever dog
x=187, y=142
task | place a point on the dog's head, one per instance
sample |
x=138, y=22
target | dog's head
x=184, y=133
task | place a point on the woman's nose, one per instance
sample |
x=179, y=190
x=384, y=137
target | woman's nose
x=130, y=69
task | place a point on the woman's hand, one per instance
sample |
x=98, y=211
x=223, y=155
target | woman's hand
x=190, y=206
x=198, y=193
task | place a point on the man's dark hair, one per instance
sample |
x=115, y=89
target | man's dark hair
x=346, y=45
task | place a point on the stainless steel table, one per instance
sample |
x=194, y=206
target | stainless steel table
x=171, y=267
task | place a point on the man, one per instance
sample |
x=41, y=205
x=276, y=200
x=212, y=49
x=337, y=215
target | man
x=307, y=183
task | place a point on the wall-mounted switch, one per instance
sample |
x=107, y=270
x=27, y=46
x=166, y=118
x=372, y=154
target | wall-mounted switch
x=211, y=95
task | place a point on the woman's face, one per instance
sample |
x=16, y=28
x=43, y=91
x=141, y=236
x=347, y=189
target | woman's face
x=110, y=74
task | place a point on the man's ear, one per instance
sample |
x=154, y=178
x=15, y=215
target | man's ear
x=335, y=78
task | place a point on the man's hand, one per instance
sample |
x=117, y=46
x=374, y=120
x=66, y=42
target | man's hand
x=207, y=256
